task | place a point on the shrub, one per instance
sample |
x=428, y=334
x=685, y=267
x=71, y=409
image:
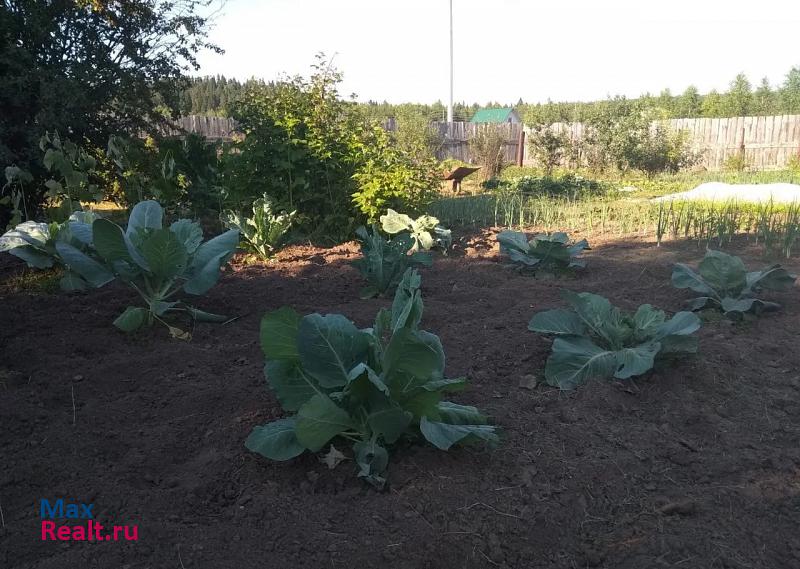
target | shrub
x=264, y=232
x=157, y=262
x=547, y=252
x=488, y=149
x=389, y=178
x=549, y=147
x=596, y=340
x=384, y=262
x=726, y=285
x=370, y=387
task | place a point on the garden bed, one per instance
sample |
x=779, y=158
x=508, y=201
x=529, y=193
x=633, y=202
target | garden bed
x=695, y=465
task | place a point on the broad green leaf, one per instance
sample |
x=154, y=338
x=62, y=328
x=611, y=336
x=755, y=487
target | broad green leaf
x=372, y=460
x=132, y=319
x=574, y=360
x=647, y=319
x=602, y=320
x=525, y=258
x=420, y=403
x=771, y=278
x=205, y=277
x=512, y=240
x=558, y=321
x=80, y=231
x=732, y=306
x=444, y=435
x=422, y=259
x=451, y=385
x=682, y=324
x=292, y=387
x=329, y=347
x=394, y=222
x=204, y=267
x=159, y=307
x=165, y=254
x=319, y=420
x=701, y=302
x=389, y=422
x=363, y=370
x=636, y=361
x=276, y=440
x=684, y=277
x=145, y=215
x=407, y=305
x=411, y=359
x=28, y=233
x=279, y=330
x=455, y=414
x=724, y=273
x=72, y=281
x=32, y=256
x=92, y=272
x=189, y=233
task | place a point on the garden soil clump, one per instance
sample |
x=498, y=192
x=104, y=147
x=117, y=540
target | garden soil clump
x=696, y=465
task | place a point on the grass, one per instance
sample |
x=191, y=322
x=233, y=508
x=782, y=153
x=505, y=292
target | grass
x=33, y=281
x=774, y=226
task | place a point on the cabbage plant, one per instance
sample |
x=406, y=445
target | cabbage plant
x=595, y=340
x=725, y=284
x=158, y=262
x=370, y=387
x=384, y=261
x=549, y=252
x=264, y=232
x=425, y=230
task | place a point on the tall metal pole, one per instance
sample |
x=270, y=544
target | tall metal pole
x=450, y=106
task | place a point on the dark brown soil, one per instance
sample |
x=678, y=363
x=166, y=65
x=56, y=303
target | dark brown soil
x=695, y=466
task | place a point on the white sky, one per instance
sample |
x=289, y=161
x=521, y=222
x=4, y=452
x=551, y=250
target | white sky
x=397, y=50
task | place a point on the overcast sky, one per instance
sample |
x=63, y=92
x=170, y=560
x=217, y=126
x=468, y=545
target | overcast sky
x=397, y=50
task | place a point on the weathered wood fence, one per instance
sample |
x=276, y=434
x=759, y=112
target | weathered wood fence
x=767, y=142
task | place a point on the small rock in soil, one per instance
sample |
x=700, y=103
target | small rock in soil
x=681, y=508
x=528, y=382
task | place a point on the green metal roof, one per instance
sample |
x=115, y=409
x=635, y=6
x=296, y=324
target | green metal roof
x=492, y=115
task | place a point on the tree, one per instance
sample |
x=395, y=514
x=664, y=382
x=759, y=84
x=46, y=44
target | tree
x=790, y=92
x=90, y=68
x=712, y=104
x=688, y=104
x=738, y=101
x=764, y=99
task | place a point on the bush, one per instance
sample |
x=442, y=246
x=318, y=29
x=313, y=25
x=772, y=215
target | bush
x=548, y=147
x=488, y=149
x=313, y=152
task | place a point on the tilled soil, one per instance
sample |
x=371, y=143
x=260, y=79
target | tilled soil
x=693, y=466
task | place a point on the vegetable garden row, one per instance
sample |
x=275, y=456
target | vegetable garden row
x=375, y=386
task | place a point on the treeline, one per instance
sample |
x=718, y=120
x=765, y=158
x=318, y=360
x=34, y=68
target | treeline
x=212, y=95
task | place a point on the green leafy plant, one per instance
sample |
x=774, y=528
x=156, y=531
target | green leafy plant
x=549, y=252
x=595, y=340
x=156, y=261
x=264, y=232
x=425, y=230
x=726, y=284
x=383, y=262
x=372, y=387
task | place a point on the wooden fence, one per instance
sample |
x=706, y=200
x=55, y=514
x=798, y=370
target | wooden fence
x=767, y=142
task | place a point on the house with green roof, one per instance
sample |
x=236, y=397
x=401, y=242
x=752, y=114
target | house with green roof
x=504, y=115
